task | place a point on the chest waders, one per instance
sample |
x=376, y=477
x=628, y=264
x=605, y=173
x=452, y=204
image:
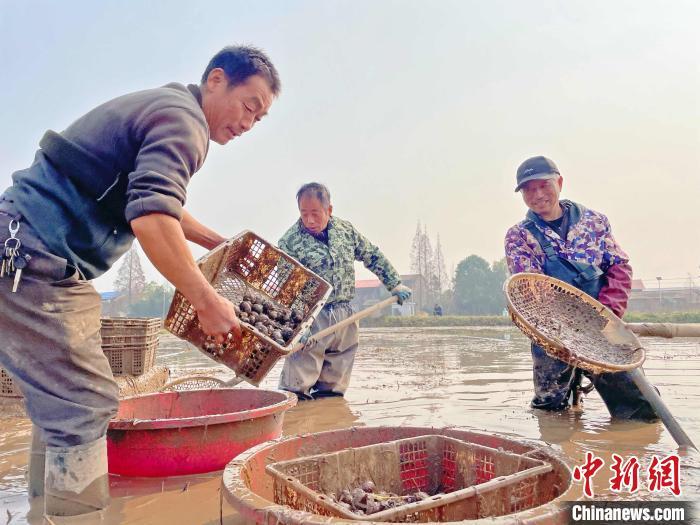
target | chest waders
x=557, y=384
x=323, y=368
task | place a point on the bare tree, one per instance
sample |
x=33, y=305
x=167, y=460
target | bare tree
x=416, y=261
x=429, y=267
x=441, y=279
x=423, y=264
x=130, y=276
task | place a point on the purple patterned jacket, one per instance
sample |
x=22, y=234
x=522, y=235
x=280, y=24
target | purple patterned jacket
x=589, y=240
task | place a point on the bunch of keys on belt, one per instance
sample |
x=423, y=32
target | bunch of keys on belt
x=13, y=262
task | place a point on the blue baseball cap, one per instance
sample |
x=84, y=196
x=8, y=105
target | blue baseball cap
x=536, y=168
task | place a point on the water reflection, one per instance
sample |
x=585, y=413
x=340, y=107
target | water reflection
x=317, y=416
x=477, y=378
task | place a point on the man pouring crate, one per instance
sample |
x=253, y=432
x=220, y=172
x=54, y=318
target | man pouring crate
x=117, y=173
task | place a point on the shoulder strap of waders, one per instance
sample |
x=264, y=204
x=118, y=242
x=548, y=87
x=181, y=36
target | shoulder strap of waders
x=588, y=272
x=540, y=237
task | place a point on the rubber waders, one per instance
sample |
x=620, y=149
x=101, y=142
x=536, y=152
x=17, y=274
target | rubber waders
x=76, y=480
x=35, y=481
x=37, y=459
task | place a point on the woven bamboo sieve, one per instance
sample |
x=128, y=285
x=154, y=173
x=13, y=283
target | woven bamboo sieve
x=570, y=325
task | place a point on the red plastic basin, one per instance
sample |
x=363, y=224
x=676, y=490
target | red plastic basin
x=191, y=432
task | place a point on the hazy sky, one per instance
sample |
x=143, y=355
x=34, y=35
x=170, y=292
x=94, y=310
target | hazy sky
x=407, y=110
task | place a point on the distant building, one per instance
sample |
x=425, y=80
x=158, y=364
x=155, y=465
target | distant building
x=113, y=303
x=637, y=284
x=370, y=291
x=677, y=299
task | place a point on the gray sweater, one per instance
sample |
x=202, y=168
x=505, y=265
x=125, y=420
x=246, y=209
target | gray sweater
x=129, y=157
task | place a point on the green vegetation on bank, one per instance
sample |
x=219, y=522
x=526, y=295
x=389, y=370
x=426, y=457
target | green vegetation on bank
x=499, y=320
x=431, y=320
x=663, y=317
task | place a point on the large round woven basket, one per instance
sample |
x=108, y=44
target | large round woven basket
x=570, y=325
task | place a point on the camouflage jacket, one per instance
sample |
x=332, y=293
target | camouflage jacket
x=335, y=261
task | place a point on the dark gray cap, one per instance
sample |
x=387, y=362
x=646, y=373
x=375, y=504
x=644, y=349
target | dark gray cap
x=536, y=168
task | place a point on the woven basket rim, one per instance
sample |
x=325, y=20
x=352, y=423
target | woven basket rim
x=581, y=361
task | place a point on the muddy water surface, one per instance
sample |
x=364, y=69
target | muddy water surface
x=477, y=378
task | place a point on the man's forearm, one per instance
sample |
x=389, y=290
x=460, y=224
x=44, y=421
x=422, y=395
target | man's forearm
x=385, y=272
x=196, y=232
x=377, y=263
x=163, y=240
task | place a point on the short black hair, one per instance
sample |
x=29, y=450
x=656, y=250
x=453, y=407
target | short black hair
x=315, y=189
x=241, y=62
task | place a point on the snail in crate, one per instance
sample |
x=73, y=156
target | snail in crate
x=277, y=322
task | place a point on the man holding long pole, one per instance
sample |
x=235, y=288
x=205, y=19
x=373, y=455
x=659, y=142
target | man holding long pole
x=329, y=246
x=568, y=241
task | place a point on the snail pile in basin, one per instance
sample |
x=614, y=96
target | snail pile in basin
x=366, y=499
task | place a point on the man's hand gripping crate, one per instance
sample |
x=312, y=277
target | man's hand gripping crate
x=244, y=265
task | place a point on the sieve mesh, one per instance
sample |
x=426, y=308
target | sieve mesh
x=570, y=325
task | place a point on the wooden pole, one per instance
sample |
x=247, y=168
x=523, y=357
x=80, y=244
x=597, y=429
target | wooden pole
x=331, y=330
x=649, y=392
x=345, y=322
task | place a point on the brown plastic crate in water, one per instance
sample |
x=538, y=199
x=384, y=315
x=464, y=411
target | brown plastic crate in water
x=142, y=327
x=248, y=262
x=134, y=359
x=8, y=387
x=127, y=340
x=130, y=343
x=465, y=480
